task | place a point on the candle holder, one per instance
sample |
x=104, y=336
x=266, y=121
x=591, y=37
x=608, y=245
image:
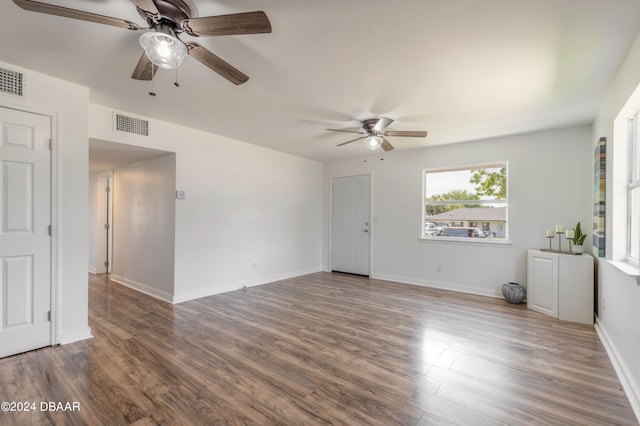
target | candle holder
x=569, y=234
x=559, y=240
x=550, y=234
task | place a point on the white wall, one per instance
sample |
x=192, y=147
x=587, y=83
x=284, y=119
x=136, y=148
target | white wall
x=251, y=215
x=619, y=318
x=550, y=182
x=68, y=103
x=144, y=226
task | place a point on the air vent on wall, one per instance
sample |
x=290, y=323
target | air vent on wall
x=133, y=125
x=11, y=82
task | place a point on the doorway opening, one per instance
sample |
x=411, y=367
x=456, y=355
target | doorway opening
x=133, y=194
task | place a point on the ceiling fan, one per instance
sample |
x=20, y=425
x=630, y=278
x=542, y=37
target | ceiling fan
x=374, y=133
x=167, y=19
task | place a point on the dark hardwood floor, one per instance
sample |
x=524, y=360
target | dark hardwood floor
x=319, y=349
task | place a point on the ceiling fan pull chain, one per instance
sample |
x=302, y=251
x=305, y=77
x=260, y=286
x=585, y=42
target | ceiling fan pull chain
x=176, y=82
x=152, y=93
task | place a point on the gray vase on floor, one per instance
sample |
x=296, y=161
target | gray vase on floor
x=513, y=292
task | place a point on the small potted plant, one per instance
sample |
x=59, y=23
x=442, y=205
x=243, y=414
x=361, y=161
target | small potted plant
x=578, y=239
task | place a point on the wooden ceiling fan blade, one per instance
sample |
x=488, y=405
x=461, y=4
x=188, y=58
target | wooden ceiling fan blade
x=66, y=12
x=147, y=6
x=382, y=124
x=386, y=146
x=144, y=70
x=217, y=64
x=360, y=132
x=234, y=24
x=350, y=141
x=413, y=134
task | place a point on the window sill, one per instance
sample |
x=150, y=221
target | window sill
x=469, y=241
x=627, y=269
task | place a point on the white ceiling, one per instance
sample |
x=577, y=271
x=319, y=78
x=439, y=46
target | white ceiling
x=461, y=69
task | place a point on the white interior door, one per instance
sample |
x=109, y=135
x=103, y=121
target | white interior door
x=104, y=222
x=25, y=246
x=350, y=224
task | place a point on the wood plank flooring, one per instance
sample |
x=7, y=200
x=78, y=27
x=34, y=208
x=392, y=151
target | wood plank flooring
x=319, y=349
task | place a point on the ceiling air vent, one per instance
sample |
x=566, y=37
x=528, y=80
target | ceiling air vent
x=133, y=125
x=11, y=82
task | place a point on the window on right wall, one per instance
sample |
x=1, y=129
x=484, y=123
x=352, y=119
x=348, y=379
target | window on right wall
x=466, y=203
x=633, y=189
x=623, y=185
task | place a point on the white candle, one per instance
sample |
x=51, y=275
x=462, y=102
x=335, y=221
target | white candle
x=559, y=229
x=569, y=234
x=550, y=233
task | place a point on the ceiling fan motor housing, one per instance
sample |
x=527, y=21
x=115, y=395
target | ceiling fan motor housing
x=172, y=12
x=369, y=124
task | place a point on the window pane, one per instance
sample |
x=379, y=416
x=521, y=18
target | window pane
x=633, y=197
x=634, y=152
x=634, y=231
x=490, y=219
x=635, y=165
x=470, y=184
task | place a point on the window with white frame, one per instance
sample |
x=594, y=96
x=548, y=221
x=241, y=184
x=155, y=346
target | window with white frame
x=465, y=202
x=633, y=190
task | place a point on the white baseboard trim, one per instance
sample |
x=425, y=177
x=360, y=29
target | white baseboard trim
x=439, y=285
x=66, y=337
x=631, y=388
x=92, y=270
x=224, y=288
x=142, y=288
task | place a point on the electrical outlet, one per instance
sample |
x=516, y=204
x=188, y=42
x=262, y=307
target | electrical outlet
x=438, y=268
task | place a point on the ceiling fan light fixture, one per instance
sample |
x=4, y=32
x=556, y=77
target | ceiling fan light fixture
x=373, y=142
x=163, y=49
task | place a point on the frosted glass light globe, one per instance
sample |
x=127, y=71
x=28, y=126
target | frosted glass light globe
x=163, y=50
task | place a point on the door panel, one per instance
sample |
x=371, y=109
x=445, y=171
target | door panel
x=542, y=283
x=350, y=225
x=357, y=248
x=17, y=135
x=17, y=282
x=25, y=246
x=17, y=198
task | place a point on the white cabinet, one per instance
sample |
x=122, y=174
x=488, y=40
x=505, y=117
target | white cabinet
x=560, y=285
